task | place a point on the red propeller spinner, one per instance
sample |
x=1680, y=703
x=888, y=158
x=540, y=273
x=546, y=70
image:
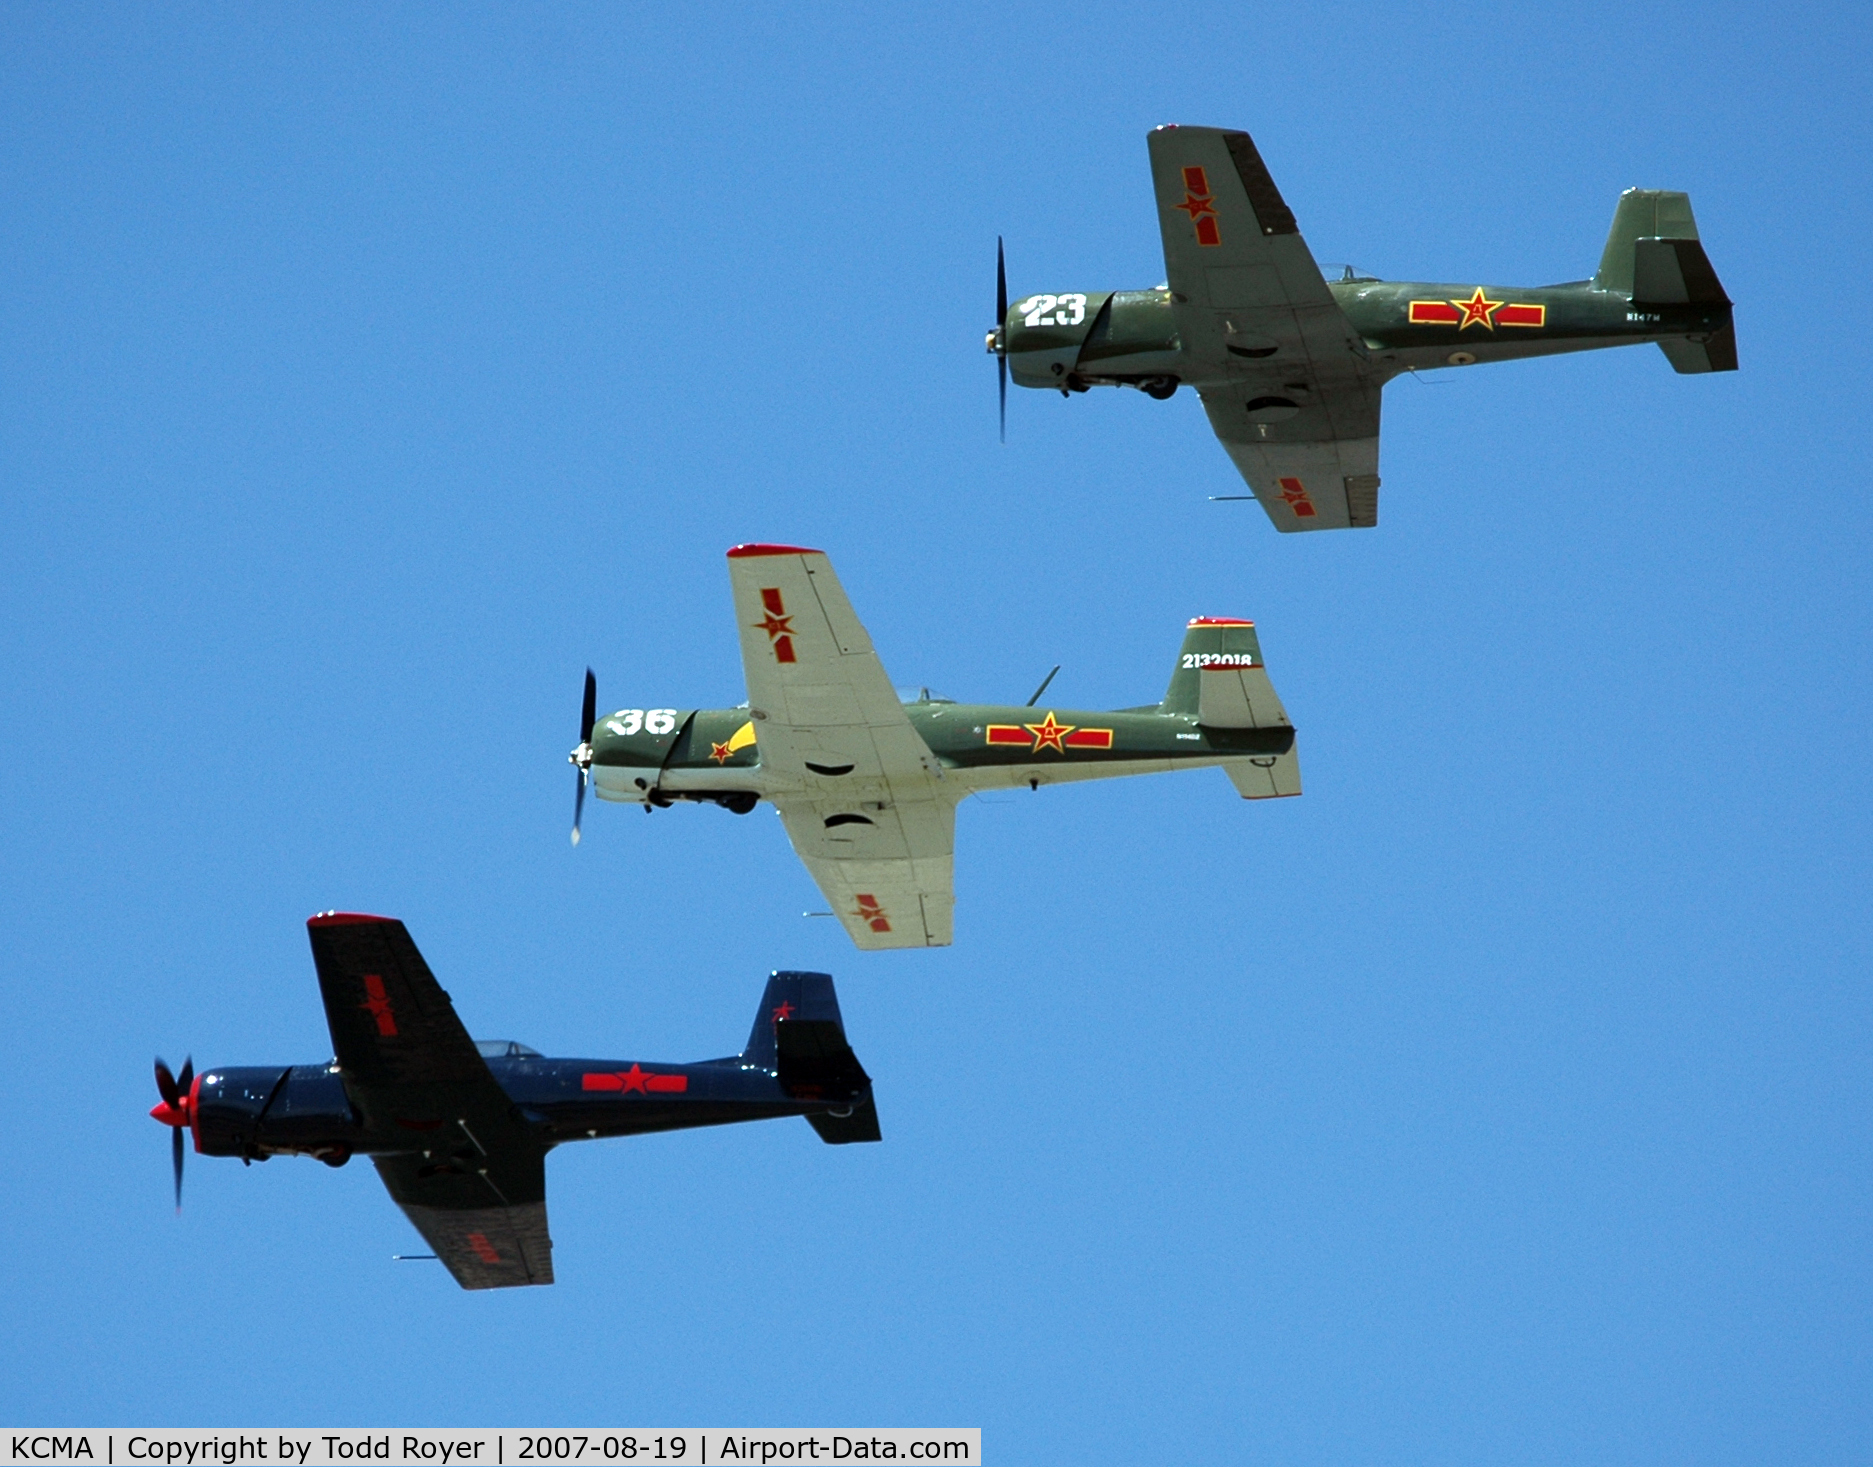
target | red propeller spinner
x=180, y=1093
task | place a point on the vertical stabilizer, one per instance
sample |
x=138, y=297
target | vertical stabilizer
x=1209, y=641
x=1643, y=213
x=801, y=997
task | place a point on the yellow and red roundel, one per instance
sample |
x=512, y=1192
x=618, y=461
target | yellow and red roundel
x=1049, y=733
x=1478, y=310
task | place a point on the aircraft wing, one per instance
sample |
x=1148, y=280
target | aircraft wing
x=888, y=874
x=859, y=791
x=474, y=1178
x=1286, y=380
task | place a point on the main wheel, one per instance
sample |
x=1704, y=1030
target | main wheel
x=1160, y=387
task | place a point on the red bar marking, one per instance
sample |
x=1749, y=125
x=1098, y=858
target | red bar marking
x=741, y=552
x=1295, y=492
x=1196, y=181
x=783, y=649
x=1090, y=738
x=1435, y=313
x=1207, y=233
x=1218, y=621
x=770, y=598
x=1007, y=733
x=634, y=1078
x=871, y=913
x=377, y=1004
x=1522, y=316
x=484, y=1250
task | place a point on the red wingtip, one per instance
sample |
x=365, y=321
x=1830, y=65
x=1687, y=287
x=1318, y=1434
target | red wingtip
x=736, y=552
x=1219, y=621
x=343, y=919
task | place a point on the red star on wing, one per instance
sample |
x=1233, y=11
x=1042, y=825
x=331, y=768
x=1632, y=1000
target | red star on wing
x=1048, y=734
x=634, y=1079
x=1195, y=206
x=776, y=626
x=719, y=752
x=1478, y=310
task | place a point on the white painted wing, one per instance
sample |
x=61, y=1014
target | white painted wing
x=860, y=793
x=886, y=873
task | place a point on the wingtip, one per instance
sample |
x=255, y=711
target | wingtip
x=739, y=552
x=344, y=919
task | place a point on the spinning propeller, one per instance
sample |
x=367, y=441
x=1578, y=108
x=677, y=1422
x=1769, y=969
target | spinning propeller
x=997, y=341
x=177, y=1110
x=581, y=757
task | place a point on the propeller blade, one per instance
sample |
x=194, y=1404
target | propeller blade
x=1001, y=283
x=175, y=1153
x=187, y=1077
x=166, y=1086
x=1001, y=319
x=582, y=756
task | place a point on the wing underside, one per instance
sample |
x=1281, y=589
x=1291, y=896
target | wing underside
x=887, y=874
x=1284, y=378
x=473, y=1180
x=860, y=793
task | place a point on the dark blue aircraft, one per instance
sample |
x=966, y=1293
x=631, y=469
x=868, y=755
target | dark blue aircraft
x=459, y=1129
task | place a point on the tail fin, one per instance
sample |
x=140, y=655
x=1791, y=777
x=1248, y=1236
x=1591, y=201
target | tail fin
x=1643, y=213
x=1209, y=641
x=799, y=1035
x=1653, y=256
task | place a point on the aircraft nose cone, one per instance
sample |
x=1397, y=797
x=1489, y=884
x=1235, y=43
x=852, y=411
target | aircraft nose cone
x=168, y=1115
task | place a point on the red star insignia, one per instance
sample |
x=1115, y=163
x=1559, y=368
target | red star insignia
x=719, y=752
x=776, y=626
x=634, y=1079
x=1195, y=206
x=1478, y=310
x=785, y=1011
x=1048, y=734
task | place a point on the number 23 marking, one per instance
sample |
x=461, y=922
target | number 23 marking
x=1054, y=310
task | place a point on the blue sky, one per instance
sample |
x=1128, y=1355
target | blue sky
x=370, y=371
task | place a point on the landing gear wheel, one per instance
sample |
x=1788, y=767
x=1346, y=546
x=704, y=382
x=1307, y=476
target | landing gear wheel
x=1160, y=387
x=741, y=804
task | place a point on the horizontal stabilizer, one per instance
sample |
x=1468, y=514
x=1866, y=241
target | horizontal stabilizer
x=858, y=1124
x=1717, y=353
x=1238, y=697
x=1266, y=776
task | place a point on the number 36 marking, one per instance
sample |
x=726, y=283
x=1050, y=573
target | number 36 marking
x=1053, y=310
x=629, y=720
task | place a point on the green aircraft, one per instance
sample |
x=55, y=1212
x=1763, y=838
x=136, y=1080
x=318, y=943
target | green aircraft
x=867, y=782
x=1289, y=361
